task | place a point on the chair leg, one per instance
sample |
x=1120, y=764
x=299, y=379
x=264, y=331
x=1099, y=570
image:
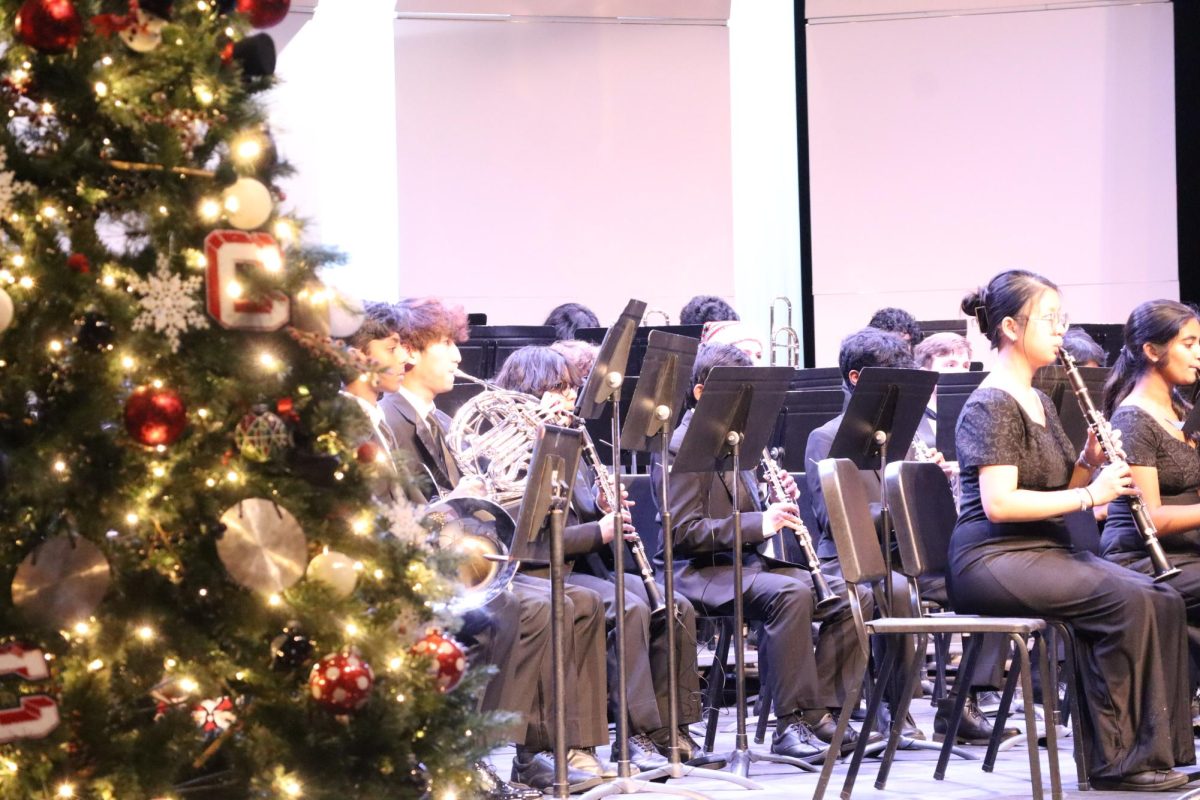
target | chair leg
x=860, y=750
x=716, y=687
x=941, y=648
x=1010, y=690
x=1074, y=705
x=839, y=733
x=914, y=664
x=1035, y=769
x=763, y=707
x=962, y=687
x=1049, y=707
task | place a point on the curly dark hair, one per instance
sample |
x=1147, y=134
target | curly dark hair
x=897, y=320
x=706, y=308
x=570, y=317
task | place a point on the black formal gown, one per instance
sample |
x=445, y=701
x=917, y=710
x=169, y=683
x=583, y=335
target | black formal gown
x=1131, y=631
x=1148, y=444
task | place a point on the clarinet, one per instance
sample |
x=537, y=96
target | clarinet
x=1095, y=420
x=773, y=473
x=609, y=492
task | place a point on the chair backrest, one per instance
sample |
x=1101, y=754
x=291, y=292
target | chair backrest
x=850, y=521
x=644, y=511
x=923, y=515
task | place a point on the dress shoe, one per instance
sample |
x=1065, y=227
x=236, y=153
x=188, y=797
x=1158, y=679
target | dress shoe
x=585, y=759
x=909, y=729
x=1152, y=780
x=825, y=727
x=973, y=728
x=537, y=770
x=493, y=787
x=1196, y=713
x=643, y=753
x=797, y=741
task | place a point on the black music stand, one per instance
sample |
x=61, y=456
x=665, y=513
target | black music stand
x=887, y=406
x=736, y=412
x=603, y=386
x=552, y=469
x=660, y=392
x=953, y=389
x=1052, y=380
x=1192, y=423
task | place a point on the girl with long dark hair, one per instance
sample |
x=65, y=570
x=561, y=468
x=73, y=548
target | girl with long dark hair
x=1011, y=554
x=1160, y=355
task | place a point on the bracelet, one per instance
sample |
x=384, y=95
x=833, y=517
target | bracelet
x=1085, y=498
x=1091, y=500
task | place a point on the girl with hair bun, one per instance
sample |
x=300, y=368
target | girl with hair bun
x=1010, y=553
x=1161, y=353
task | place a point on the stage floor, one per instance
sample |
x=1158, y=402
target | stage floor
x=911, y=775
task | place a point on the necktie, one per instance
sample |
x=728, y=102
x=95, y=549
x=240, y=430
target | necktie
x=448, y=465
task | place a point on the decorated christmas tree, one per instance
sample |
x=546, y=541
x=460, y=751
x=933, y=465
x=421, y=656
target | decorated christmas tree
x=207, y=588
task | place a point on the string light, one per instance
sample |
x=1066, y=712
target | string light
x=55, y=346
x=202, y=413
x=49, y=212
x=158, y=471
x=65, y=790
x=157, y=383
x=274, y=601
x=291, y=787
x=60, y=466
x=234, y=289
x=285, y=231
x=127, y=362
x=361, y=526
x=81, y=628
x=188, y=685
x=47, y=108
x=18, y=261
x=26, y=282
x=232, y=476
x=268, y=361
x=211, y=482
x=247, y=148
x=170, y=663
x=145, y=633
x=109, y=281
x=204, y=95
x=352, y=629
x=270, y=259
x=210, y=209
x=101, y=89
x=95, y=665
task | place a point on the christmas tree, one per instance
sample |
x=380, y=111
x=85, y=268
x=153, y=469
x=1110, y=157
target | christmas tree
x=205, y=592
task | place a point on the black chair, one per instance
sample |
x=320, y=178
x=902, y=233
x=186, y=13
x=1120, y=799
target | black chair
x=862, y=565
x=924, y=516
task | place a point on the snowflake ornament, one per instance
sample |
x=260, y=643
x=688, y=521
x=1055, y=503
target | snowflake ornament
x=169, y=305
x=404, y=522
x=10, y=187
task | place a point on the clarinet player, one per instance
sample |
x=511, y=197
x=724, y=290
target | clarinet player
x=1010, y=553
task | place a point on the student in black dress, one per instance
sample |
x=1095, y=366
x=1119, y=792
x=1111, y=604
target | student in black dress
x=1011, y=555
x=1161, y=354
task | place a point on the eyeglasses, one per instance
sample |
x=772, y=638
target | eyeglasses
x=1057, y=320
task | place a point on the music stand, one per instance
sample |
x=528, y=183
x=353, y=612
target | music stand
x=953, y=389
x=1052, y=380
x=660, y=392
x=603, y=386
x=551, y=475
x=887, y=405
x=1192, y=423
x=736, y=412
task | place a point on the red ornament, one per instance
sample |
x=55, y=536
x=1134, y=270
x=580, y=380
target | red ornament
x=449, y=660
x=155, y=416
x=49, y=26
x=341, y=682
x=367, y=453
x=78, y=262
x=264, y=13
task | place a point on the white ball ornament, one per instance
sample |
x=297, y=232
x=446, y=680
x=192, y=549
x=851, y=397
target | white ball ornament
x=335, y=570
x=6, y=310
x=247, y=204
x=145, y=34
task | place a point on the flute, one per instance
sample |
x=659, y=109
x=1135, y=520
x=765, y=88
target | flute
x=1096, y=422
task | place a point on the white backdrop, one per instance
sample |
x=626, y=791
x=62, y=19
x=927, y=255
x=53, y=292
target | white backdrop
x=947, y=148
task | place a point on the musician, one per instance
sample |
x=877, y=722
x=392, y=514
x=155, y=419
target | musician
x=1085, y=350
x=704, y=308
x=806, y=685
x=581, y=355
x=873, y=347
x=1161, y=355
x=430, y=332
x=490, y=633
x=940, y=352
x=899, y=322
x=1011, y=554
x=587, y=539
x=570, y=317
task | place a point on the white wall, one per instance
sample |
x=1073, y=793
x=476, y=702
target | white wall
x=542, y=160
x=947, y=148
